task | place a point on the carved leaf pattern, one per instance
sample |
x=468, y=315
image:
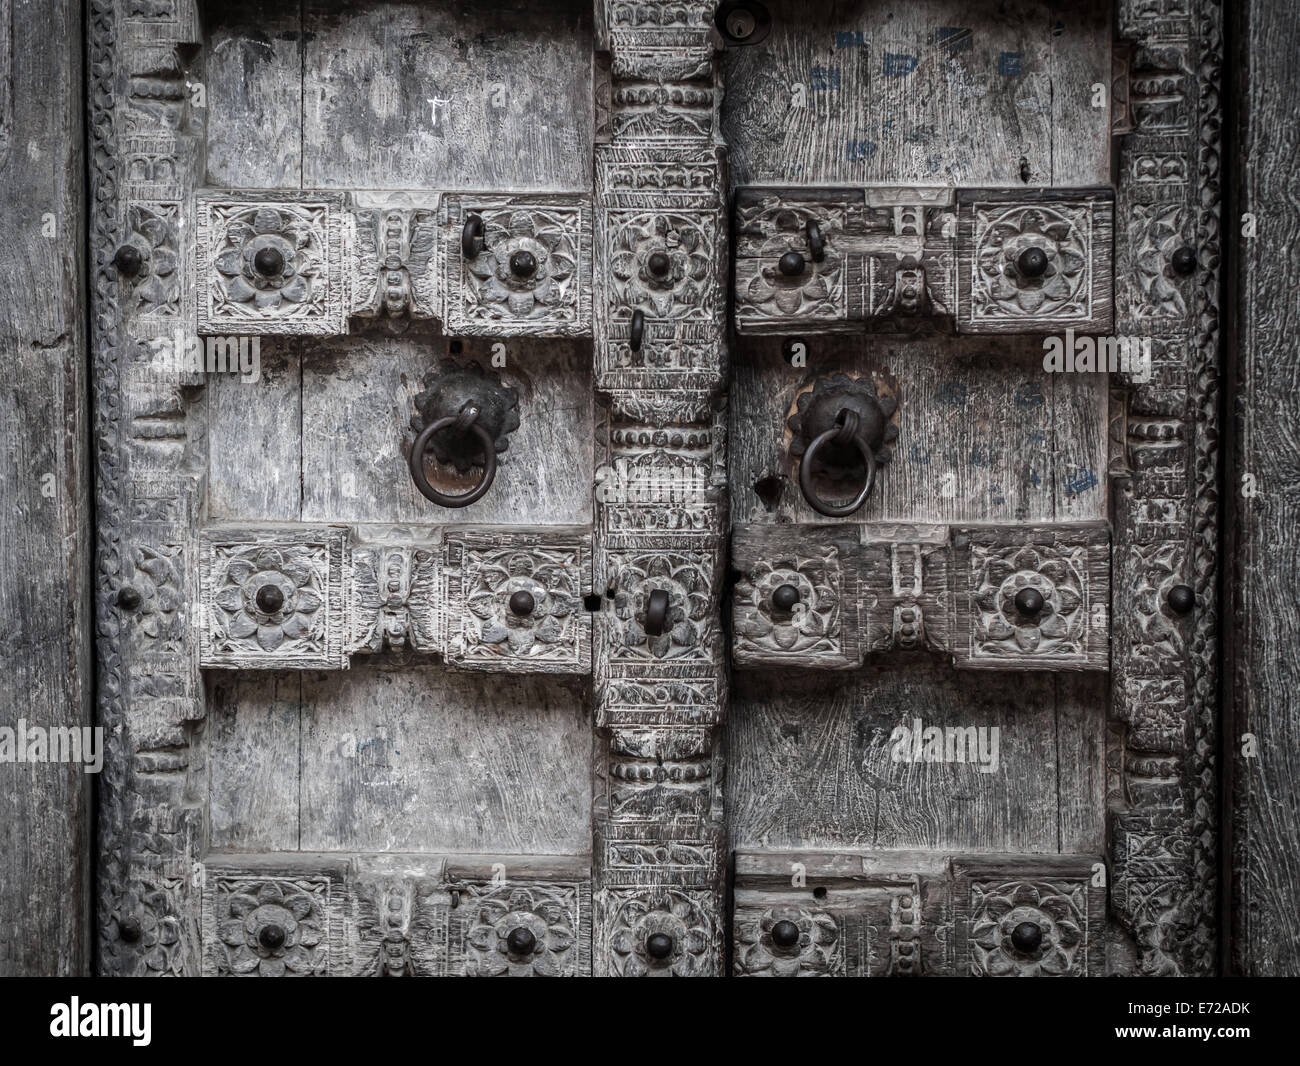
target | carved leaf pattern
x=1028, y=929
x=814, y=954
x=810, y=627
x=1000, y=573
x=1002, y=234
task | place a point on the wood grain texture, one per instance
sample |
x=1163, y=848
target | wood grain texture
x=45, y=839
x=1263, y=576
x=933, y=92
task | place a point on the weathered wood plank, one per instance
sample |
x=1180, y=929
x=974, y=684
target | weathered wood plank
x=45, y=841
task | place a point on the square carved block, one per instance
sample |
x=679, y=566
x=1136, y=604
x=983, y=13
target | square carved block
x=628, y=918
x=778, y=230
x=272, y=263
x=1035, y=263
x=797, y=600
x=530, y=274
x=273, y=599
x=515, y=601
x=1040, y=916
x=269, y=918
x=1032, y=598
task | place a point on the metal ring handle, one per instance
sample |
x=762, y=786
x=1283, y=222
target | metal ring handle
x=816, y=245
x=845, y=426
x=443, y=499
x=472, y=237
x=656, y=613
x=636, y=332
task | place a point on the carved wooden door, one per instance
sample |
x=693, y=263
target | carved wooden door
x=513, y=416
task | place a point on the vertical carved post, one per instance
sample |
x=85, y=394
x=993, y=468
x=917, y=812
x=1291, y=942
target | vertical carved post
x=1164, y=665
x=660, y=691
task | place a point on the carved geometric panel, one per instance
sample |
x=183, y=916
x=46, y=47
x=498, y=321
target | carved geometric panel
x=688, y=633
x=1037, y=598
x=515, y=601
x=273, y=600
x=1034, y=265
x=272, y=264
x=658, y=932
x=531, y=275
x=518, y=929
x=280, y=925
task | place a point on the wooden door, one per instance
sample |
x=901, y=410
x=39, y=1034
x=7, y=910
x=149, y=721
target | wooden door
x=465, y=605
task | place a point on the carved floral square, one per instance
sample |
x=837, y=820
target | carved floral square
x=524, y=601
x=268, y=260
x=686, y=626
x=1031, y=262
x=1028, y=600
x=521, y=932
x=787, y=941
x=816, y=291
x=527, y=267
x=764, y=622
x=662, y=264
x=273, y=929
x=665, y=933
x=268, y=598
x=1027, y=929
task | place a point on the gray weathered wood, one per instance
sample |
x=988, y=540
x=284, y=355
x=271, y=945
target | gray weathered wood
x=45, y=839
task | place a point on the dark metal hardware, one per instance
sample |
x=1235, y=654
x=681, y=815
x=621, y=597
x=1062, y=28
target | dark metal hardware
x=742, y=22
x=659, y=264
x=659, y=945
x=784, y=597
x=465, y=417
x=269, y=598
x=521, y=941
x=792, y=264
x=785, y=934
x=656, y=613
x=1183, y=260
x=523, y=264
x=272, y=937
x=522, y=603
x=472, y=237
x=128, y=598
x=816, y=246
x=1027, y=937
x=1181, y=599
x=1032, y=262
x=841, y=432
x=637, y=332
x=1029, y=601
x=269, y=262
x=128, y=260
x=129, y=928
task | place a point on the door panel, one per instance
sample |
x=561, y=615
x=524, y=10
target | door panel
x=475, y=601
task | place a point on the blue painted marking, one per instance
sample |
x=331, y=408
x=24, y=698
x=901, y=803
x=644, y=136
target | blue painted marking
x=979, y=456
x=1034, y=479
x=898, y=64
x=824, y=78
x=1079, y=482
x=850, y=39
x=860, y=151
x=915, y=456
x=1037, y=436
x=1009, y=64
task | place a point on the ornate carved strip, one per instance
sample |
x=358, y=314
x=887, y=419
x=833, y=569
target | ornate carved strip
x=659, y=841
x=1009, y=598
x=1164, y=693
x=279, y=597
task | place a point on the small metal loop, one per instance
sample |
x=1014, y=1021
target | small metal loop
x=656, y=613
x=806, y=472
x=467, y=417
x=472, y=237
x=816, y=245
x=421, y=480
x=637, y=332
x=847, y=426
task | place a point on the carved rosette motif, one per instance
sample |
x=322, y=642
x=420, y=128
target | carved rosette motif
x=811, y=627
x=271, y=267
x=146, y=935
x=664, y=932
x=273, y=604
x=544, y=240
x=766, y=231
x=523, y=932
x=1028, y=929
x=687, y=632
x=813, y=950
x=151, y=230
x=1056, y=629
x=270, y=928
